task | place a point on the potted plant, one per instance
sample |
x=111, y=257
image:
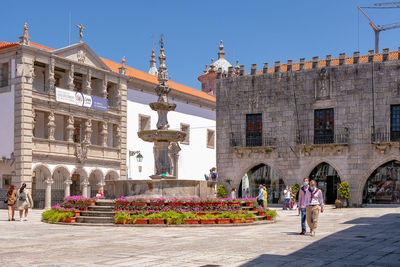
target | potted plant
x=237, y=218
x=68, y=217
x=249, y=202
x=207, y=219
x=157, y=202
x=249, y=217
x=262, y=211
x=338, y=204
x=344, y=193
x=221, y=191
x=156, y=218
x=174, y=217
x=139, y=218
x=193, y=202
x=191, y=218
x=122, y=217
x=175, y=202
x=223, y=218
x=271, y=214
x=139, y=202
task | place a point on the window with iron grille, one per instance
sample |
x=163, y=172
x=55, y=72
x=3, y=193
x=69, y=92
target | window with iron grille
x=254, y=130
x=323, y=126
x=395, y=123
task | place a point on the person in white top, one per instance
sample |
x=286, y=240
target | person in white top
x=287, y=195
x=233, y=193
x=314, y=200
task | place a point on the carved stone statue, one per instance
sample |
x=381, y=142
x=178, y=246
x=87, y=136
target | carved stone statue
x=51, y=80
x=70, y=129
x=70, y=81
x=117, y=136
x=24, y=40
x=51, y=125
x=81, y=28
x=103, y=133
x=104, y=87
x=81, y=56
x=323, y=85
x=88, y=131
x=33, y=121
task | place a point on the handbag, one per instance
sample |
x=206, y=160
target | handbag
x=5, y=201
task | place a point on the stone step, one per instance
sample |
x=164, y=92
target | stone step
x=98, y=213
x=260, y=217
x=92, y=219
x=100, y=208
x=105, y=202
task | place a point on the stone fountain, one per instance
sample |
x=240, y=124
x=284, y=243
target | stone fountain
x=162, y=137
x=163, y=183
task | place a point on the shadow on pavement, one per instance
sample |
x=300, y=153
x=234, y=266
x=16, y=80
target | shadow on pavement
x=372, y=241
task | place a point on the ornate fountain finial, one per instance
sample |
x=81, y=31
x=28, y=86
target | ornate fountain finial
x=153, y=66
x=221, y=52
x=122, y=69
x=25, y=38
x=206, y=69
x=163, y=88
x=212, y=70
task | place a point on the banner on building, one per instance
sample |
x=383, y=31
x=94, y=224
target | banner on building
x=82, y=100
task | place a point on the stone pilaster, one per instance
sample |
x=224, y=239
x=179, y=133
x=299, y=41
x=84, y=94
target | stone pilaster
x=104, y=87
x=122, y=88
x=85, y=184
x=51, y=81
x=67, y=189
x=23, y=119
x=47, y=199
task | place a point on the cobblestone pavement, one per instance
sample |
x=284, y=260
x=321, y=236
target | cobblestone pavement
x=354, y=237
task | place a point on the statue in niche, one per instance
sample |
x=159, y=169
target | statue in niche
x=323, y=84
x=51, y=125
x=81, y=55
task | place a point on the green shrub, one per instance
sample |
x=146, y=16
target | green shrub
x=121, y=216
x=344, y=190
x=271, y=213
x=295, y=189
x=221, y=191
x=137, y=216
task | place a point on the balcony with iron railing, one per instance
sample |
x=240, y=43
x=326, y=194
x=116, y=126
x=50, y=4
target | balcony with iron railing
x=384, y=136
x=253, y=141
x=340, y=138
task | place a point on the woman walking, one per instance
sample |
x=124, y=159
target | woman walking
x=24, y=202
x=11, y=198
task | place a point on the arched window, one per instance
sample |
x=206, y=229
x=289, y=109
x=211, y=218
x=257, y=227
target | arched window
x=383, y=185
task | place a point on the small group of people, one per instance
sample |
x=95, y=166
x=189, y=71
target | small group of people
x=213, y=175
x=310, y=204
x=262, y=197
x=20, y=198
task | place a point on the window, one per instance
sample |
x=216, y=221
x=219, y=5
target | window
x=395, y=123
x=210, y=138
x=323, y=126
x=144, y=122
x=3, y=74
x=6, y=180
x=186, y=128
x=254, y=130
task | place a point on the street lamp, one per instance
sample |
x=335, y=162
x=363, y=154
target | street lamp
x=139, y=157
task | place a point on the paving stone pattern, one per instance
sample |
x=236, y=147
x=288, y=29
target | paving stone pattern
x=346, y=237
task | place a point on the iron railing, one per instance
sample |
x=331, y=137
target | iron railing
x=253, y=141
x=323, y=139
x=385, y=136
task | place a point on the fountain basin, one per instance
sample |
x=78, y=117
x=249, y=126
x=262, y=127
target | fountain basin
x=162, y=106
x=162, y=135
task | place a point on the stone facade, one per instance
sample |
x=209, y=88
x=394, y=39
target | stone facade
x=360, y=90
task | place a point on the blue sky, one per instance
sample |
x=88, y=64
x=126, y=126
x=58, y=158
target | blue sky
x=252, y=31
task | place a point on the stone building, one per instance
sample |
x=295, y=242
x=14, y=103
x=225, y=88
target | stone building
x=65, y=121
x=333, y=120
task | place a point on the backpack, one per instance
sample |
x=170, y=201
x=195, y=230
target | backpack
x=22, y=196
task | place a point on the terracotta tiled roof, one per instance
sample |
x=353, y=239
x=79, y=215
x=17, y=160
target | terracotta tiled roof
x=144, y=76
x=394, y=55
x=137, y=74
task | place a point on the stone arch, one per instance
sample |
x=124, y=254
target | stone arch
x=275, y=181
x=96, y=180
x=328, y=180
x=79, y=178
x=111, y=175
x=371, y=170
x=238, y=178
x=315, y=163
x=41, y=172
x=60, y=176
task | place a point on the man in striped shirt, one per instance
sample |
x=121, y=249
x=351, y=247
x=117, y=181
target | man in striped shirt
x=314, y=200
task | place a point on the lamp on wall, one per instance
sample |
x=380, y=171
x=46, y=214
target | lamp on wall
x=139, y=157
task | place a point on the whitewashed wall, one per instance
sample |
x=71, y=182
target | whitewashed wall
x=7, y=123
x=195, y=159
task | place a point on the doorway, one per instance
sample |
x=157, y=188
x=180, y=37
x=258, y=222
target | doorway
x=327, y=180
